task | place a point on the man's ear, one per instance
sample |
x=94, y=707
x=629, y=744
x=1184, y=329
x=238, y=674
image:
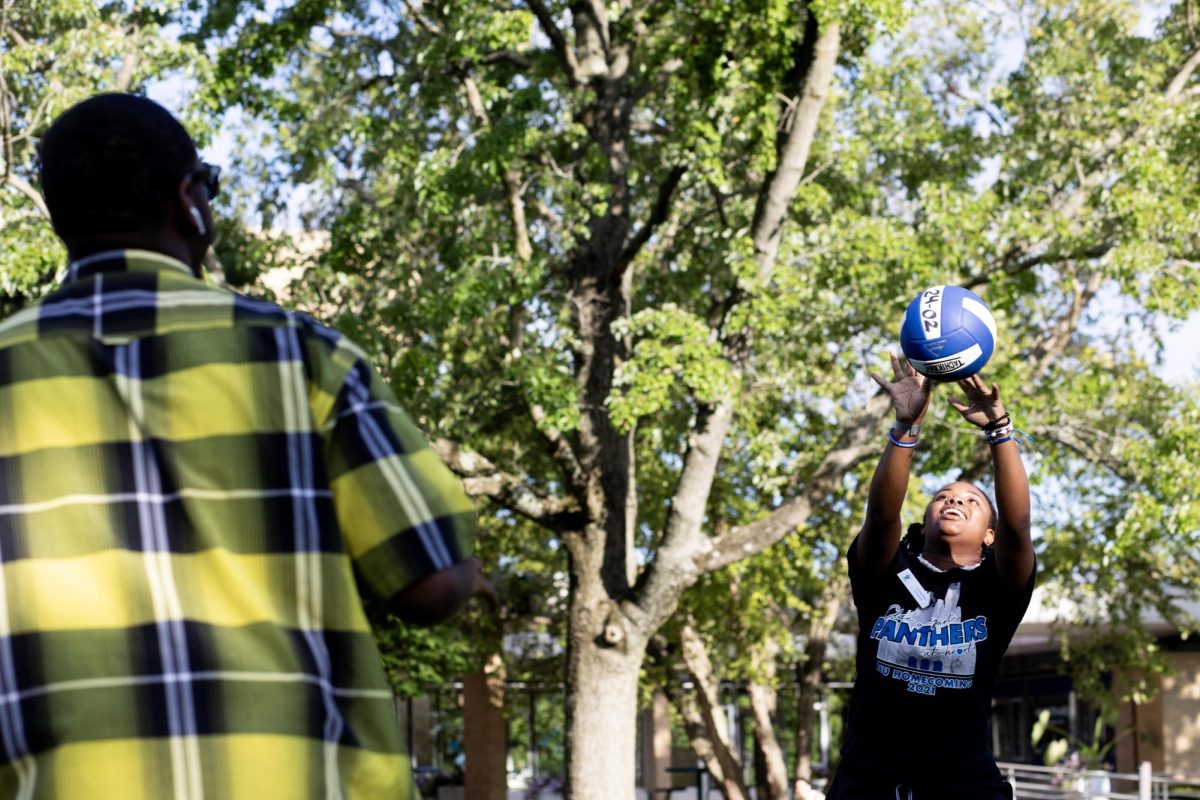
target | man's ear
x=192, y=216
x=989, y=536
x=198, y=220
x=192, y=223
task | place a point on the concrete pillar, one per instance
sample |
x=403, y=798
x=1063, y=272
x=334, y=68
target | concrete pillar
x=485, y=732
x=1181, y=712
x=1144, y=724
x=656, y=744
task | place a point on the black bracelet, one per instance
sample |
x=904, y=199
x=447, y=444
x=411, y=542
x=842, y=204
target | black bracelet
x=997, y=424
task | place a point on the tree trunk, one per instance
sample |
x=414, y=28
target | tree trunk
x=770, y=768
x=808, y=677
x=613, y=613
x=762, y=706
x=601, y=721
x=701, y=739
x=485, y=739
x=727, y=772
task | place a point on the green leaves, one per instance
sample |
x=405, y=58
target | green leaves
x=52, y=55
x=675, y=356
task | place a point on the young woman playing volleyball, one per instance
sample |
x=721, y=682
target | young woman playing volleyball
x=936, y=612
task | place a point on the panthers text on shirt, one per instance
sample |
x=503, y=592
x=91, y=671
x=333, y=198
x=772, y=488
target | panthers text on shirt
x=929, y=648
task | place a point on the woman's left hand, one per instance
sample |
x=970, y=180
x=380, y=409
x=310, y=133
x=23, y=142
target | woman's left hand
x=982, y=405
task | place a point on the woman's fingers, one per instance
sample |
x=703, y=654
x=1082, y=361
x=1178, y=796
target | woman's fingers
x=972, y=385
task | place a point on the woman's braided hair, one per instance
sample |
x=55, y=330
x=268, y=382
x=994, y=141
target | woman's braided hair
x=914, y=538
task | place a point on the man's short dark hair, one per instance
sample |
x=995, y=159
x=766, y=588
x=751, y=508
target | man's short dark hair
x=111, y=164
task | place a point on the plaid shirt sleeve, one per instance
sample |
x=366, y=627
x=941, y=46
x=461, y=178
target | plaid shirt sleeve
x=403, y=515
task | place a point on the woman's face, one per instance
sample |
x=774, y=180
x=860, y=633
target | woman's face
x=959, y=511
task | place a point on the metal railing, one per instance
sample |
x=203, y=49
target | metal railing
x=1064, y=783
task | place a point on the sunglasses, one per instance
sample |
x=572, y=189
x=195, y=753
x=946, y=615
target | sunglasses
x=210, y=176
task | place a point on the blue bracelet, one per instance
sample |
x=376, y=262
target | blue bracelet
x=906, y=445
x=995, y=442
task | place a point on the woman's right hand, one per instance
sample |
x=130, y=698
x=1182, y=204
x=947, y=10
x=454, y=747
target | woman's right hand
x=910, y=391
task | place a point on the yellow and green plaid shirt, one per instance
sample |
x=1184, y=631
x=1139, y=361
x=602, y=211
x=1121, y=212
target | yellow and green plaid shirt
x=193, y=488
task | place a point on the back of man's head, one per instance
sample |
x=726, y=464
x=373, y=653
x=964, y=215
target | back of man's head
x=111, y=165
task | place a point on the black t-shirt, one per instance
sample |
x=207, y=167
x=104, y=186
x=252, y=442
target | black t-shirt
x=929, y=647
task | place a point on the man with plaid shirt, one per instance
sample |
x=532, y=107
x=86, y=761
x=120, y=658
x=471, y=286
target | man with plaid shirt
x=194, y=488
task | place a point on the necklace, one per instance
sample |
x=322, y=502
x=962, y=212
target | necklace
x=925, y=561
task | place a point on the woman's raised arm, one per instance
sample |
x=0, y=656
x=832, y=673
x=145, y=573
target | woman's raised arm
x=880, y=535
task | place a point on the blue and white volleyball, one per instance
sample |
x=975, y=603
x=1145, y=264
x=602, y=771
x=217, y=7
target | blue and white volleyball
x=948, y=333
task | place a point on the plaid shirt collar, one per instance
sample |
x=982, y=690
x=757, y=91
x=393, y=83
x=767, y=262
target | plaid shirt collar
x=124, y=261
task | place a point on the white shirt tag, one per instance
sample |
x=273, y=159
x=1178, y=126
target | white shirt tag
x=923, y=598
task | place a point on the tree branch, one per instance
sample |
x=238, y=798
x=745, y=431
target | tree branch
x=1180, y=78
x=1073, y=203
x=858, y=440
x=7, y=30
x=474, y=98
x=681, y=556
x=24, y=187
x=512, y=180
x=780, y=190
x=1089, y=444
x=516, y=210
x=1011, y=263
x=1056, y=339
x=809, y=674
x=6, y=127
x=129, y=61
x=482, y=478
x=545, y=212
x=512, y=57
x=5, y=108
x=1044, y=354
x=564, y=455
x=592, y=37
x=675, y=564
x=428, y=25
x=658, y=215
x=566, y=55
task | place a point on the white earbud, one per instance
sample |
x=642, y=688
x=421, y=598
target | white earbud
x=199, y=220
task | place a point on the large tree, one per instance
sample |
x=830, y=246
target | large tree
x=625, y=261
x=526, y=192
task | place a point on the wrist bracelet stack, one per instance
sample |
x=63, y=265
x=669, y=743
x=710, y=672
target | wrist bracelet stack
x=999, y=431
x=996, y=432
x=904, y=429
